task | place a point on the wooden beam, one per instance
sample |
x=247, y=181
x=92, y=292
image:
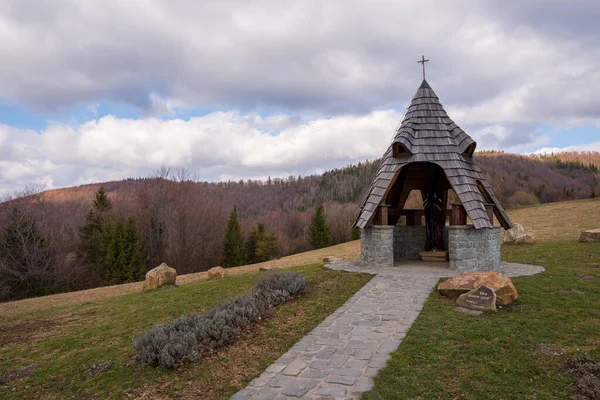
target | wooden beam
x=399, y=212
x=383, y=212
x=459, y=215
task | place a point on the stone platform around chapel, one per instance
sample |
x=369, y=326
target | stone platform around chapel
x=341, y=356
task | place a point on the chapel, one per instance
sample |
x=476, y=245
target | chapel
x=432, y=155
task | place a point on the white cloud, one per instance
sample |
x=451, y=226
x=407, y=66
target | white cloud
x=219, y=145
x=320, y=69
x=583, y=147
x=216, y=146
x=503, y=63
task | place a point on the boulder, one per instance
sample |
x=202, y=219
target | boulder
x=159, y=276
x=502, y=286
x=593, y=235
x=481, y=299
x=330, y=259
x=217, y=273
x=518, y=234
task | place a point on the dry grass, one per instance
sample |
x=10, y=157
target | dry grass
x=350, y=250
x=562, y=221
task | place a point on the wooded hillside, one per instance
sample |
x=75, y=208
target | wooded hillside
x=182, y=222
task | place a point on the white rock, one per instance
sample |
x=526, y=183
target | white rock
x=518, y=234
x=159, y=276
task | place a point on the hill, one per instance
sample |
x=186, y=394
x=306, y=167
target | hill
x=561, y=221
x=182, y=221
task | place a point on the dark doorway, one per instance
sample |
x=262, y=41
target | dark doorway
x=431, y=181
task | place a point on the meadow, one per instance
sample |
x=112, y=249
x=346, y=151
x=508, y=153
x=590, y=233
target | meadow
x=444, y=355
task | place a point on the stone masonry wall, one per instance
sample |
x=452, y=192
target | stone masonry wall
x=377, y=245
x=471, y=249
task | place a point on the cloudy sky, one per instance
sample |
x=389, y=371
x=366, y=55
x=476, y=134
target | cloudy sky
x=101, y=90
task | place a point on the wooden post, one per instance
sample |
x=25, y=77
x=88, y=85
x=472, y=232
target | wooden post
x=489, y=208
x=419, y=217
x=383, y=214
x=459, y=215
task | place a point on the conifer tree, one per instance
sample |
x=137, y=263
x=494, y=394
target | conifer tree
x=234, y=248
x=251, y=244
x=101, y=202
x=113, y=246
x=261, y=245
x=91, y=232
x=123, y=250
x=267, y=247
x=318, y=231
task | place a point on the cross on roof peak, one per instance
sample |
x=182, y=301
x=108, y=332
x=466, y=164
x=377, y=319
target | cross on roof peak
x=422, y=62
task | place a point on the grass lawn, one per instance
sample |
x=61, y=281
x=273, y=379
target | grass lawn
x=449, y=355
x=63, y=341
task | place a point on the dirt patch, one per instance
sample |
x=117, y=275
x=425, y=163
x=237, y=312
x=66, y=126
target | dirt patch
x=24, y=331
x=583, y=365
x=550, y=350
x=17, y=374
x=588, y=372
x=100, y=367
x=583, y=276
x=588, y=265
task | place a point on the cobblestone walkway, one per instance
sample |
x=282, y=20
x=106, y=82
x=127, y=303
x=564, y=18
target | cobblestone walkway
x=340, y=357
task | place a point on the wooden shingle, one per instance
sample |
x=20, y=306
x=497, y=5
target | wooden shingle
x=430, y=135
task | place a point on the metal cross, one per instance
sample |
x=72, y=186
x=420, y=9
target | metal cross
x=423, y=61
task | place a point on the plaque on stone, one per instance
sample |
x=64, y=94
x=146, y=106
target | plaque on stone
x=482, y=298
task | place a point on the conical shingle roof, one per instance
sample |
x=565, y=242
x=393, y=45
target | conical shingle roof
x=427, y=134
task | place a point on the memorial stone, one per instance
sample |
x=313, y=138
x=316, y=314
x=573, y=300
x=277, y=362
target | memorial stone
x=482, y=298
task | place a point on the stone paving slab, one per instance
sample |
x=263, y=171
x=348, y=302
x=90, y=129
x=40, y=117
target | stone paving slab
x=340, y=357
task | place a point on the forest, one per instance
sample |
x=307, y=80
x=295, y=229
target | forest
x=113, y=232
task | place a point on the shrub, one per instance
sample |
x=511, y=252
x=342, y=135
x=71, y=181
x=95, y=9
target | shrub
x=238, y=312
x=290, y=282
x=185, y=339
x=215, y=332
x=167, y=346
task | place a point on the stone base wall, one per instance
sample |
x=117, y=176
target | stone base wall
x=377, y=245
x=471, y=249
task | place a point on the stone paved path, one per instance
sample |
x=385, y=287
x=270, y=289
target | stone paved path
x=340, y=357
